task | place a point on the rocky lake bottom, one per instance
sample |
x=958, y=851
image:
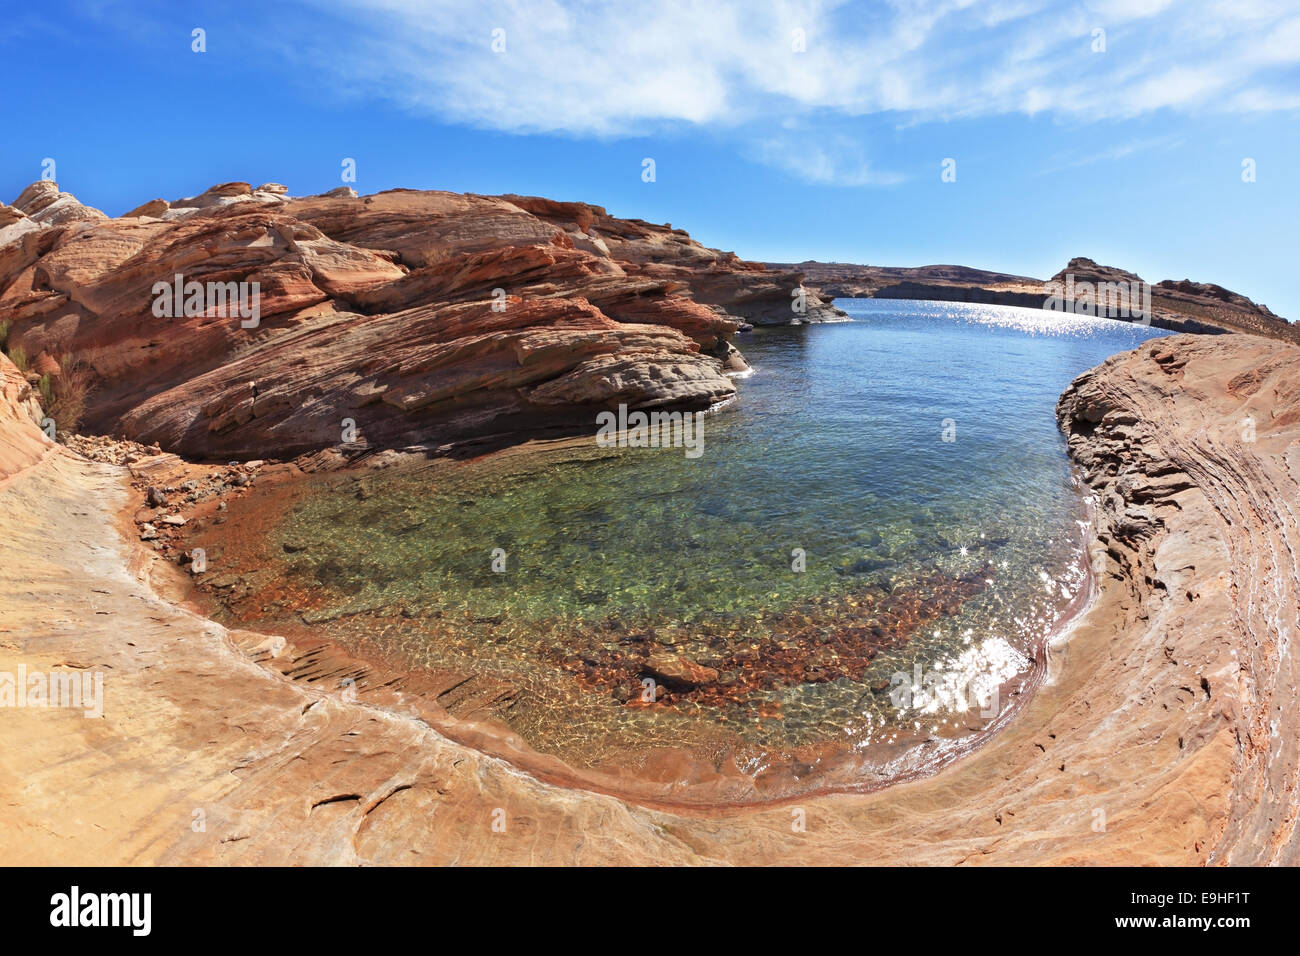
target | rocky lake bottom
x=867, y=553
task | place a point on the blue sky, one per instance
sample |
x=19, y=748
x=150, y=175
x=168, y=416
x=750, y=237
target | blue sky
x=1131, y=154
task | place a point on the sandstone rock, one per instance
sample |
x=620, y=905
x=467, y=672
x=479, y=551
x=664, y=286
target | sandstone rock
x=427, y=318
x=45, y=364
x=677, y=669
x=11, y=236
x=45, y=205
x=229, y=190
x=222, y=195
x=153, y=208
x=37, y=196
x=22, y=443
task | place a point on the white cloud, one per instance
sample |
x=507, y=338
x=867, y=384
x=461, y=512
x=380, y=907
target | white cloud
x=626, y=69
x=815, y=158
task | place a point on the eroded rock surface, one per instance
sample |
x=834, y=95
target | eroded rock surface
x=1193, y=448
x=401, y=319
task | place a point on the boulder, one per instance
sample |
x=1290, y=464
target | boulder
x=676, y=669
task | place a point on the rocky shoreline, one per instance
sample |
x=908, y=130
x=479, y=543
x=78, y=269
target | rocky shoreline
x=1178, y=305
x=178, y=514
x=243, y=319
x=1157, y=736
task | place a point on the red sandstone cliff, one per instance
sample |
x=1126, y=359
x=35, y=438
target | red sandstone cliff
x=424, y=318
x=22, y=444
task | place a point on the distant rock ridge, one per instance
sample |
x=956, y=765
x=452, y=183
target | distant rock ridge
x=405, y=318
x=1181, y=305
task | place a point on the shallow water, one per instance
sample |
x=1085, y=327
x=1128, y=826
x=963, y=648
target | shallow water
x=886, y=497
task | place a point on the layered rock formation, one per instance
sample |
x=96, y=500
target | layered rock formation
x=1182, y=306
x=21, y=444
x=399, y=319
x=1192, y=446
x=846, y=280
x=1162, y=735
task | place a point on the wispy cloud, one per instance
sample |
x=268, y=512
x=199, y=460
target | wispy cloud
x=1085, y=154
x=814, y=158
x=607, y=70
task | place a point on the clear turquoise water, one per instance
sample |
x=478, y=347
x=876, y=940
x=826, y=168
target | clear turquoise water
x=835, y=445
